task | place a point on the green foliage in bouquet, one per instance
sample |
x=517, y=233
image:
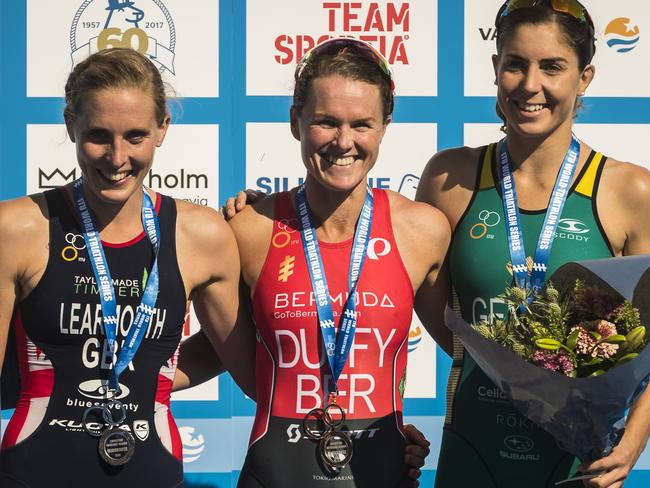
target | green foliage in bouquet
x=583, y=333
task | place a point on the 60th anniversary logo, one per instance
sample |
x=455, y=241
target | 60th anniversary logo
x=144, y=25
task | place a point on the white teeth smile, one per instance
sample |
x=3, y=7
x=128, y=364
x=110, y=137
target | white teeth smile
x=531, y=107
x=115, y=176
x=340, y=161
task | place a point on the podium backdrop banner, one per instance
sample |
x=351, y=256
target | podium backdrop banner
x=230, y=64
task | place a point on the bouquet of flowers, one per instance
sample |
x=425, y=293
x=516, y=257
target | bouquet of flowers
x=582, y=331
x=573, y=360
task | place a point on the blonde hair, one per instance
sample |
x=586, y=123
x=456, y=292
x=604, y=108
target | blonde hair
x=114, y=68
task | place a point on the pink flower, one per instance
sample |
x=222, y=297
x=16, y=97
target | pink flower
x=603, y=327
x=558, y=361
x=586, y=343
x=606, y=350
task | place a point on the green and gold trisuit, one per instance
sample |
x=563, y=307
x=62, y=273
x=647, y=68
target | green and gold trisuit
x=486, y=443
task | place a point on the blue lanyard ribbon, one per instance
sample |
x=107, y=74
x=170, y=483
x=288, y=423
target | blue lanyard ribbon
x=105, y=286
x=551, y=220
x=337, y=346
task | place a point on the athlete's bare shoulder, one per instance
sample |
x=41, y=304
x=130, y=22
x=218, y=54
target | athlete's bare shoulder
x=23, y=215
x=424, y=220
x=623, y=206
x=422, y=234
x=259, y=213
x=24, y=239
x=253, y=228
x=254, y=222
x=201, y=223
x=448, y=180
x=448, y=170
x=629, y=179
x=205, y=244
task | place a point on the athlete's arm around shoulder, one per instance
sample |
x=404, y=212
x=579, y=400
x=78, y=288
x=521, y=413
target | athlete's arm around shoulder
x=422, y=234
x=623, y=202
x=209, y=263
x=24, y=251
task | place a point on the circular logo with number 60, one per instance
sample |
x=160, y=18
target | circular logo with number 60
x=143, y=25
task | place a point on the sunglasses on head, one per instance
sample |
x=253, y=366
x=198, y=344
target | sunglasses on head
x=570, y=7
x=342, y=44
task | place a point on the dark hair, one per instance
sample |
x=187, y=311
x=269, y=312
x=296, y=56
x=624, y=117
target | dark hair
x=348, y=62
x=114, y=68
x=577, y=34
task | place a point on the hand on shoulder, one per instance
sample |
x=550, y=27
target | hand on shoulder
x=250, y=216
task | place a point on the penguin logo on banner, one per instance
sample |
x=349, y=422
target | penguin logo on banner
x=144, y=25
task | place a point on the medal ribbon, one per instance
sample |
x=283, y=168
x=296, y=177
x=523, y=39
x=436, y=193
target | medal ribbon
x=336, y=345
x=551, y=220
x=104, y=282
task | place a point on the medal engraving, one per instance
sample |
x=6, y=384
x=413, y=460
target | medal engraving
x=335, y=450
x=116, y=446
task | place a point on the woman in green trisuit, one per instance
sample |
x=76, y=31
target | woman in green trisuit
x=542, y=68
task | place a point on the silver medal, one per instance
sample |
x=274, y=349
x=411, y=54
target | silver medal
x=335, y=450
x=116, y=446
